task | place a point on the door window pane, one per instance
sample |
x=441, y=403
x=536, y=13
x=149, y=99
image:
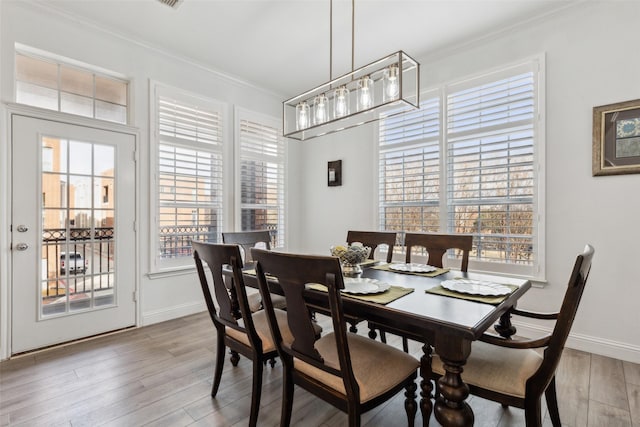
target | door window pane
x=78, y=218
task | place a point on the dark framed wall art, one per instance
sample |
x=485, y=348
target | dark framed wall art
x=334, y=173
x=616, y=138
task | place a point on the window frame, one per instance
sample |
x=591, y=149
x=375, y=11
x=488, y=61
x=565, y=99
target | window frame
x=536, y=64
x=156, y=263
x=71, y=64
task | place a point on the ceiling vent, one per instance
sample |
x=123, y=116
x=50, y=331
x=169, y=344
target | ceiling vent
x=172, y=3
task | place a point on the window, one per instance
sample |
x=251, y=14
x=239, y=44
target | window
x=50, y=84
x=261, y=176
x=189, y=173
x=409, y=169
x=472, y=171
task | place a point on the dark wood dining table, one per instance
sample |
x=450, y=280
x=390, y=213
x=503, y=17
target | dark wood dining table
x=447, y=325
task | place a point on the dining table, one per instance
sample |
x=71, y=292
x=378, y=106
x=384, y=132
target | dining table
x=445, y=319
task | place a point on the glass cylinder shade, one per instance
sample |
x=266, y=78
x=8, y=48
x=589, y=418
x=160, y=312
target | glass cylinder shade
x=390, y=83
x=302, y=115
x=365, y=93
x=320, y=109
x=341, y=102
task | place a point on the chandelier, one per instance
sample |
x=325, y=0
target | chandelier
x=383, y=88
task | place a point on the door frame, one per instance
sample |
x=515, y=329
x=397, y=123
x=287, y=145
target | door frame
x=7, y=111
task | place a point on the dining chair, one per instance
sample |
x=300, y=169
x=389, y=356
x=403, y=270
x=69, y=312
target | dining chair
x=511, y=371
x=340, y=367
x=373, y=239
x=242, y=331
x=247, y=240
x=436, y=246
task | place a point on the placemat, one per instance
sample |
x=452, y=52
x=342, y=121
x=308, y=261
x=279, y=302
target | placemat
x=485, y=299
x=384, y=298
x=369, y=262
x=435, y=273
x=252, y=272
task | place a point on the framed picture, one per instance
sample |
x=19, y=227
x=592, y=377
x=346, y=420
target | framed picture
x=334, y=173
x=616, y=138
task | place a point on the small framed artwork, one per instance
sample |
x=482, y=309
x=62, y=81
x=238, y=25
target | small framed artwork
x=616, y=138
x=334, y=173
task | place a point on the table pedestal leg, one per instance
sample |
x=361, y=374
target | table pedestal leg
x=504, y=327
x=450, y=408
x=426, y=387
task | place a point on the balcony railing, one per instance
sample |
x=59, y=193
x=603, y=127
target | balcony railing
x=83, y=264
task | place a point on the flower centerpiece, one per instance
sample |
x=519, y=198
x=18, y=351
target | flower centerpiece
x=350, y=257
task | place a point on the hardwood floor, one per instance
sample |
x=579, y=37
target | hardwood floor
x=161, y=375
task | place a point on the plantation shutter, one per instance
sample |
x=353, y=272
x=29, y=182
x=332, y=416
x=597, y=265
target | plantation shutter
x=409, y=169
x=190, y=171
x=262, y=176
x=490, y=135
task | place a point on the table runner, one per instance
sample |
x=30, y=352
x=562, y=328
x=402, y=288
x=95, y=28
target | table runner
x=485, y=299
x=384, y=298
x=435, y=273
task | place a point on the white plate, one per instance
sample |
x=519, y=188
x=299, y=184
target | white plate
x=354, y=285
x=476, y=287
x=413, y=267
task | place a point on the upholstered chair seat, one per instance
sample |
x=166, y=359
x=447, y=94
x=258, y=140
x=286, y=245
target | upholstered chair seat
x=499, y=369
x=368, y=360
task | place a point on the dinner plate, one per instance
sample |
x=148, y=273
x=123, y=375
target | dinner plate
x=358, y=285
x=476, y=287
x=412, y=267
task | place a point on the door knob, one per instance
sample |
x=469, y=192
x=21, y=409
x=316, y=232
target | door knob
x=22, y=228
x=22, y=247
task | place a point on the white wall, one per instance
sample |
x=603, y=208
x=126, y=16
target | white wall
x=161, y=298
x=591, y=59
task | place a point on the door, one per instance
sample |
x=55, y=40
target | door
x=73, y=239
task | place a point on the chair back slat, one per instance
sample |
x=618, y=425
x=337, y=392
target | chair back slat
x=437, y=246
x=247, y=240
x=216, y=256
x=373, y=239
x=293, y=272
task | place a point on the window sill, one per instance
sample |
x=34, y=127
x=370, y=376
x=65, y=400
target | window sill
x=171, y=272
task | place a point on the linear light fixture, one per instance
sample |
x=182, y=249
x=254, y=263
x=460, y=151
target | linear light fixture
x=389, y=86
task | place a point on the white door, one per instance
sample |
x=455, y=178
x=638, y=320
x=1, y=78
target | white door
x=72, y=225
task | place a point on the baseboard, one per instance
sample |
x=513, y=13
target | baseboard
x=151, y=317
x=595, y=345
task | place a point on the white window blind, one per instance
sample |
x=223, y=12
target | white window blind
x=189, y=173
x=409, y=169
x=490, y=164
x=261, y=175
x=467, y=163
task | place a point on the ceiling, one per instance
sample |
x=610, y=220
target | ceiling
x=283, y=45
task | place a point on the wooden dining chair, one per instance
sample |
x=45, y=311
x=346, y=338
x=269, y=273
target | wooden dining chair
x=511, y=371
x=349, y=371
x=373, y=239
x=247, y=240
x=436, y=246
x=242, y=331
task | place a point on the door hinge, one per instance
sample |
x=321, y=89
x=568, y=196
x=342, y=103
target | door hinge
x=134, y=296
x=135, y=155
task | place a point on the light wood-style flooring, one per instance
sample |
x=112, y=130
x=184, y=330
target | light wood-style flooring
x=161, y=375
